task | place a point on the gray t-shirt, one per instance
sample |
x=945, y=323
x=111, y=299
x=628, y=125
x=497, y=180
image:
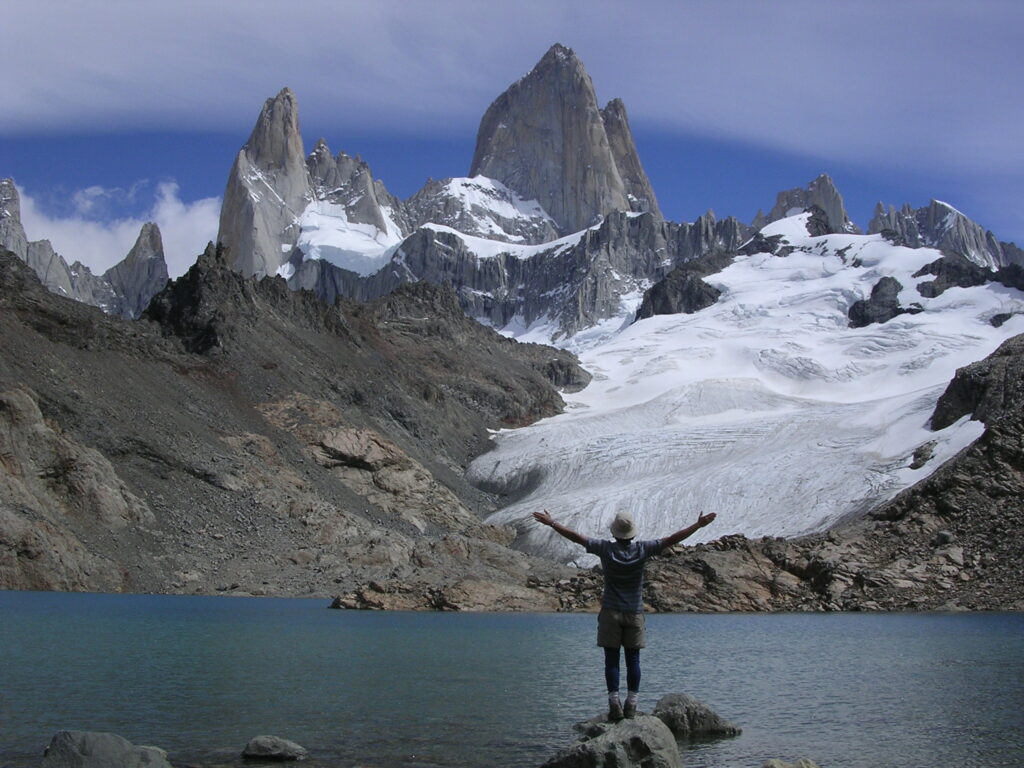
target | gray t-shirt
x=623, y=565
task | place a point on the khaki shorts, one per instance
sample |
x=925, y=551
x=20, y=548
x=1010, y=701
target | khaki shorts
x=619, y=629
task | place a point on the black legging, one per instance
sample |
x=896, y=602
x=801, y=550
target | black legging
x=611, y=669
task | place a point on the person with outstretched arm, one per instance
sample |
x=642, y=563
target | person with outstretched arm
x=620, y=624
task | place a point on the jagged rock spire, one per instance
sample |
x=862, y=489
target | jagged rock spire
x=267, y=190
x=940, y=225
x=821, y=192
x=547, y=139
x=141, y=274
x=627, y=161
x=50, y=266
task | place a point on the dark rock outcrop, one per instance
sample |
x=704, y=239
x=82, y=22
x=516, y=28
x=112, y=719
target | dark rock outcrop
x=641, y=741
x=84, y=749
x=689, y=718
x=954, y=270
x=940, y=225
x=988, y=390
x=680, y=291
x=883, y=305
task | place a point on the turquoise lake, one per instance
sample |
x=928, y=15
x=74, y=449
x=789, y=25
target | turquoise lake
x=199, y=676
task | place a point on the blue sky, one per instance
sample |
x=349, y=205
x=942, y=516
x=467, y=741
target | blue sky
x=729, y=101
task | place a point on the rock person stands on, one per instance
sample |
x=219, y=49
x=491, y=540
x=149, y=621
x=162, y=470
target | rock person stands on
x=620, y=624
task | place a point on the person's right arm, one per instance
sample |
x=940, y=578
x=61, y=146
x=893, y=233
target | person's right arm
x=683, y=533
x=545, y=519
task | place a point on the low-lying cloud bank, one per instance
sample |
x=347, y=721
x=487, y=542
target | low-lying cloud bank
x=99, y=242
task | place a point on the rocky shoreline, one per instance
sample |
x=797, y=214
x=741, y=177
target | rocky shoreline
x=644, y=741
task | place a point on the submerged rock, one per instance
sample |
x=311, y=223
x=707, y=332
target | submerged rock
x=86, y=749
x=803, y=762
x=274, y=748
x=641, y=741
x=687, y=717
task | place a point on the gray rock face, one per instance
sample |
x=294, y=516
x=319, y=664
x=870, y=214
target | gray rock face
x=12, y=234
x=545, y=137
x=94, y=290
x=627, y=161
x=821, y=192
x=51, y=267
x=142, y=273
x=687, y=717
x=883, y=305
x=267, y=190
x=84, y=749
x=274, y=748
x=940, y=225
x=641, y=741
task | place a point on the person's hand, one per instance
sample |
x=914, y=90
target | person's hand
x=543, y=518
x=703, y=520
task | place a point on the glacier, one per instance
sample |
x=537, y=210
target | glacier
x=765, y=408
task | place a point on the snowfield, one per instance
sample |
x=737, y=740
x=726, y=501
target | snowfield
x=325, y=232
x=766, y=408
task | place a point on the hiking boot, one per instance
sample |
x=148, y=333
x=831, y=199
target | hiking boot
x=629, y=710
x=615, y=712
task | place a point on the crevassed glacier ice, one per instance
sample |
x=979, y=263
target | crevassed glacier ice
x=765, y=408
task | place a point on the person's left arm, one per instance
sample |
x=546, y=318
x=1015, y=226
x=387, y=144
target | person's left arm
x=683, y=533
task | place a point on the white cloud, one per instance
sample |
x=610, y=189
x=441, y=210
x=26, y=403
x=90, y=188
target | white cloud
x=184, y=227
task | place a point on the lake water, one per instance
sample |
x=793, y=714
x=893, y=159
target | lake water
x=199, y=676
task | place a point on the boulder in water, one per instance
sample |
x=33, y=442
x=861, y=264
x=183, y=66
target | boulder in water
x=86, y=749
x=641, y=741
x=273, y=748
x=687, y=717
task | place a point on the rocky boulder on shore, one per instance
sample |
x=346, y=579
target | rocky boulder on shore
x=687, y=717
x=85, y=749
x=274, y=748
x=641, y=741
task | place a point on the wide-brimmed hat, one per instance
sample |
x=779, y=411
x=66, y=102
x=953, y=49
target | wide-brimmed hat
x=622, y=526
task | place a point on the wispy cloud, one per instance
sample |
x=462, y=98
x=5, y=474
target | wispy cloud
x=91, y=236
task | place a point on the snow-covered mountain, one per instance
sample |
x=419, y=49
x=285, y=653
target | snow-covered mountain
x=555, y=230
x=767, y=407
